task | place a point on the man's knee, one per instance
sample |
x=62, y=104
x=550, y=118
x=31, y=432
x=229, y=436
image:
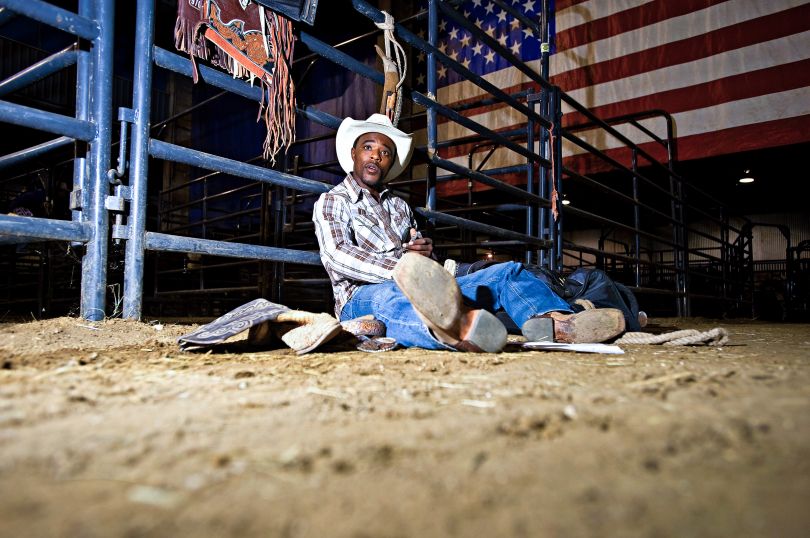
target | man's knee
x=510, y=269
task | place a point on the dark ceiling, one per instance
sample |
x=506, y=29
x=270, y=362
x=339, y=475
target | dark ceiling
x=780, y=173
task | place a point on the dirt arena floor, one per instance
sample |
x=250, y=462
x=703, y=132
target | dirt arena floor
x=108, y=429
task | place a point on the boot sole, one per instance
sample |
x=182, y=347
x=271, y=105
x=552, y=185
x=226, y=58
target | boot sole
x=436, y=297
x=432, y=291
x=590, y=326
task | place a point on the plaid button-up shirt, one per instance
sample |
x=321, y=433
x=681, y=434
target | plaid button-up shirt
x=360, y=238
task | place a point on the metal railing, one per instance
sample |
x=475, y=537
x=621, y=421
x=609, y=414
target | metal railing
x=526, y=219
x=92, y=124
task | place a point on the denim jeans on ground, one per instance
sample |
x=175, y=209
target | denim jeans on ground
x=506, y=286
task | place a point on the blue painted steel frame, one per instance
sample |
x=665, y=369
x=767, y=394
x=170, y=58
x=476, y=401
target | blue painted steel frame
x=94, y=263
x=138, y=239
x=94, y=118
x=94, y=22
x=38, y=71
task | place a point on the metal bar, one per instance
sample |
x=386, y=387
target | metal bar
x=517, y=134
x=432, y=120
x=6, y=15
x=567, y=245
x=616, y=164
x=636, y=220
x=46, y=121
x=609, y=222
x=449, y=177
x=529, y=183
x=495, y=207
x=479, y=227
x=321, y=117
x=55, y=16
x=198, y=291
x=213, y=220
x=377, y=16
x=626, y=118
x=28, y=228
x=197, y=201
x=614, y=132
x=80, y=196
x=12, y=159
x=43, y=68
x=484, y=101
x=344, y=60
x=493, y=44
x=94, y=263
x=182, y=65
x=484, y=244
x=555, y=111
x=174, y=243
x=482, y=178
x=139, y=159
x=616, y=194
x=533, y=26
x=172, y=152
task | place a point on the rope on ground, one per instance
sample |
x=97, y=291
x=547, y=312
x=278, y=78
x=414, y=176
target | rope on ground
x=714, y=337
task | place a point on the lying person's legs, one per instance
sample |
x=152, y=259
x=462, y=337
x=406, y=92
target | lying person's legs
x=538, y=311
x=541, y=314
x=510, y=287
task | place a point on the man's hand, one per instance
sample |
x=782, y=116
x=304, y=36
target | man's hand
x=420, y=245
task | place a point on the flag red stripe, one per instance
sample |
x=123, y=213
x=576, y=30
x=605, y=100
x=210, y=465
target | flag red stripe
x=784, y=23
x=763, y=135
x=746, y=85
x=627, y=20
x=743, y=86
x=745, y=138
x=559, y=5
x=780, y=24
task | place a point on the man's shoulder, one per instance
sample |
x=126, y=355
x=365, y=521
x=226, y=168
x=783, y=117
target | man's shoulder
x=333, y=199
x=341, y=190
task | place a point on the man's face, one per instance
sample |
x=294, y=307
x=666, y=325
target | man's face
x=373, y=155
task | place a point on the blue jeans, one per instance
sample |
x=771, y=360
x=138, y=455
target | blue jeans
x=506, y=286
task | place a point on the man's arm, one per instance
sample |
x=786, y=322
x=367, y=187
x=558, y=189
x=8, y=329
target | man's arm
x=339, y=253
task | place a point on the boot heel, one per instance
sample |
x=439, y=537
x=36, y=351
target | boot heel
x=486, y=332
x=538, y=330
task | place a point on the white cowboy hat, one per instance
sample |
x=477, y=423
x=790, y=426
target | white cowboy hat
x=350, y=129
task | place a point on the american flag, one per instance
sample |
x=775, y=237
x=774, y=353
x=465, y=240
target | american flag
x=734, y=74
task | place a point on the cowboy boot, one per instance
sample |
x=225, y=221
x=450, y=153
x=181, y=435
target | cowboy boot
x=586, y=327
x=436, y=298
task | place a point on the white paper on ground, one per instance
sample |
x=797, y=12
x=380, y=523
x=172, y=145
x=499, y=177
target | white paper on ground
x=581, y=348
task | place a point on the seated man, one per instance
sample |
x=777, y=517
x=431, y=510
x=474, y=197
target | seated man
x=380, y=265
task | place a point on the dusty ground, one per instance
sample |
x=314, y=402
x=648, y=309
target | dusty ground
x=108, y=429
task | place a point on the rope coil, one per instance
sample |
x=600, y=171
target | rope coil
x=395, y=63
x=714, y=337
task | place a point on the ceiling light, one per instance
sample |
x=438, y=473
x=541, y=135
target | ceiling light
x=565, y=200
x=746, y=178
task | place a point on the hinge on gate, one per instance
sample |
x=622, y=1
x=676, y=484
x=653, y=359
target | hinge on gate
x=117, y=202
x=120, y=231
x=76, y=200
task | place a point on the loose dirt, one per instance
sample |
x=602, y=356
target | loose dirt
x=108, y=429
